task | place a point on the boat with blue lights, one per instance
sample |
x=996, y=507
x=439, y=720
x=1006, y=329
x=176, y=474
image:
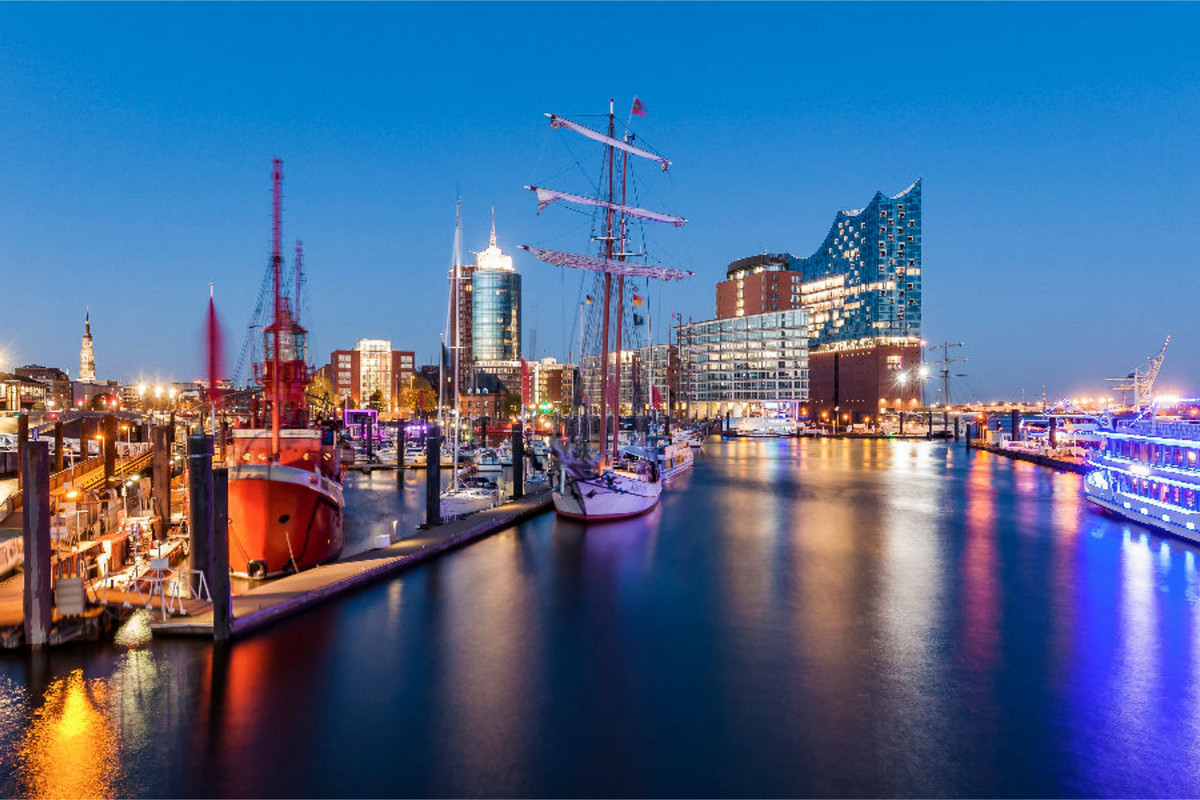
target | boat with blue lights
x=1148, y=471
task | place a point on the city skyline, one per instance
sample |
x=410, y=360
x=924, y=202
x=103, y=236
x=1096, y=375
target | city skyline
x=1051, y=142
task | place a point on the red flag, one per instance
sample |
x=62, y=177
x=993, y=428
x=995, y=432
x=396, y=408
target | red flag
x=639, y=108
x=655, y=397
x=637, y=299
x=214, y=351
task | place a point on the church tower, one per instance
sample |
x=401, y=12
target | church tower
x=87, y=355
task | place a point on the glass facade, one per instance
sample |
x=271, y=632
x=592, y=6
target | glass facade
x=375, y=369
x=864, y=282
x=495, y=315
x=758, y=361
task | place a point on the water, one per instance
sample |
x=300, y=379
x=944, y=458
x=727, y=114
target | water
x=815, y=618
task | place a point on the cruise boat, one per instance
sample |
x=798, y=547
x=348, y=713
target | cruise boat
x=1148, y=471
x=285, y=478
x=604, y=485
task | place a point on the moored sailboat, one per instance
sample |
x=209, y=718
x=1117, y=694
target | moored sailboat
x=607, y=486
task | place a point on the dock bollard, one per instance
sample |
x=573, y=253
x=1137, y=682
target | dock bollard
x=35, y=533
x=433, y=477
x=58, y=446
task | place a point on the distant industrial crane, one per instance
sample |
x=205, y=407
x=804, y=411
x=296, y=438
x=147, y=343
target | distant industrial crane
x=1141, y=381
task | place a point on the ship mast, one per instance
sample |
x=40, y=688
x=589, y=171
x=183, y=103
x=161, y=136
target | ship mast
x=620, y=308
x=608, y=254
x=608, y=264
x=277, y=183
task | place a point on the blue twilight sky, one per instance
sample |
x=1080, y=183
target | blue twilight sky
x=1057, y=144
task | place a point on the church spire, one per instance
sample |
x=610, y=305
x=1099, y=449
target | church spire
x=87, y=352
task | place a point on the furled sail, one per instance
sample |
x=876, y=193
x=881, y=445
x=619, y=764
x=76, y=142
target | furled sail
x=547, y=196
x=561, y=259
x=608, y=140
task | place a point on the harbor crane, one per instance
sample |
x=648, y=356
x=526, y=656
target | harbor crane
x=1141, y=381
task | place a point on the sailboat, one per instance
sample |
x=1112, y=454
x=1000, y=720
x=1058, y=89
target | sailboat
x=459, y=499
x=606, y=485
x=285, y=481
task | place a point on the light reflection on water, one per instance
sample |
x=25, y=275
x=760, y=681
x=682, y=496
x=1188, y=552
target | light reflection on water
x=797, y=618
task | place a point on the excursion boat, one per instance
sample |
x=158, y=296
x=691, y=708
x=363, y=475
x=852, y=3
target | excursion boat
x=1148, y=472
x=604, y=485
x=285, y=479
x=671, y=457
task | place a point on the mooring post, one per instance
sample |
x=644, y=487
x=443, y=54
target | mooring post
x=35, y=532
x=518, y=455
x=369, y=435
x=200, y=500
x=957, y=422
x=160, y=477
x=22, y=443
x=58, y=446
x=1015, y=423
x=433, y=477
x=400, y=452
x=109, y=443
x=929, y=432
x=1053, y=432
x=218, y=564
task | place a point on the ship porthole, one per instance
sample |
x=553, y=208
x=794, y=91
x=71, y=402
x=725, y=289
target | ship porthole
x=284, y=518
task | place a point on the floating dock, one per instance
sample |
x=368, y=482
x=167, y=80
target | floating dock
x=276, y=599
x=1062, y=464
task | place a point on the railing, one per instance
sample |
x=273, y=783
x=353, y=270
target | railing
x=1165, y=430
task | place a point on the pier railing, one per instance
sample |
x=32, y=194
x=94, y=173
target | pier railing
x=1167, y=430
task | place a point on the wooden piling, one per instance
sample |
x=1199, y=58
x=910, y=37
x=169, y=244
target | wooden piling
x=200, y=499
x=160, y=476
x=400, y=453
x=22, y=443
x=58, y=446
x=109, y=445
x=218, y=567
x=518, y=457
x=433, y=477
x=35, y=532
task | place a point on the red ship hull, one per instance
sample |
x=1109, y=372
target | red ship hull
x=282, y=519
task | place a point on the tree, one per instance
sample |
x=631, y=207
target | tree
x=320, y=394
x=511, y=406
x=376, y=401
x=418, y=396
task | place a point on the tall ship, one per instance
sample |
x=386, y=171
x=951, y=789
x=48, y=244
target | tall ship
x=1148, y=471
x=285, y=478
x=607, y=484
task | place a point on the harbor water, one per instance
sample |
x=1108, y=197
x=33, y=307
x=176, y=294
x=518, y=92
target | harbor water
x=798, y=618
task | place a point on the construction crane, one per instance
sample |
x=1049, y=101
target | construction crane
x=946, y=361
x=1141, y=381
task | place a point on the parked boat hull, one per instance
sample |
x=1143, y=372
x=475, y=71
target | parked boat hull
x=614, y=495
x=282, y=519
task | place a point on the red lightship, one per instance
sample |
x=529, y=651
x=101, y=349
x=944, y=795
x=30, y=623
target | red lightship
x=285, y=490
